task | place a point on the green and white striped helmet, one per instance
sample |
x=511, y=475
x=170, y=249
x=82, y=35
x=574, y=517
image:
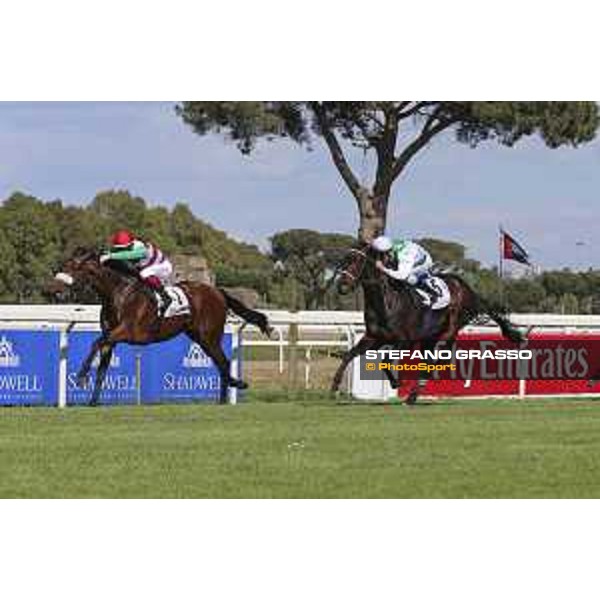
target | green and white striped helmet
x=400, y=245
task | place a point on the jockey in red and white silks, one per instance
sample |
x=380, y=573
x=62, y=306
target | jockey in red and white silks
x=153, y=267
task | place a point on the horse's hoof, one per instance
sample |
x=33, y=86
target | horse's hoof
x=238, y=384
x=411, y=400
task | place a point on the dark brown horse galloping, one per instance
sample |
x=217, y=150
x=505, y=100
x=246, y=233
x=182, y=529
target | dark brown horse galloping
x=129, y=315
x=395, y=317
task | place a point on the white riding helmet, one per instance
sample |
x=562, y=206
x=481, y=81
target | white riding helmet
x=382, y=244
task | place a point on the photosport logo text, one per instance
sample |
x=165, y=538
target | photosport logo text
x=573, y=359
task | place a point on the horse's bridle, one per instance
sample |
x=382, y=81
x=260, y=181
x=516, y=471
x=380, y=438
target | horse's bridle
x=358, y=276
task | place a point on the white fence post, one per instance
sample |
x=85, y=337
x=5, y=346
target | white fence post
x=138, y=378
x=307, y=360
x=62, y=369
x=281, y=350
x=235, y=362
x=62, y=364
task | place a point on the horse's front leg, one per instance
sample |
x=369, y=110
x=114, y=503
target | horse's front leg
x=422, y=382
x=87, y=363
x=394, y=381
x=362, y=346
x=413, y=396
x=106, y=351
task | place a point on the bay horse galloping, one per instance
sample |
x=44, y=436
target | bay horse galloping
x=395, y=316
x=129, y=315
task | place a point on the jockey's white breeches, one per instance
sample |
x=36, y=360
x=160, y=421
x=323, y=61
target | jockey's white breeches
x=163, y=270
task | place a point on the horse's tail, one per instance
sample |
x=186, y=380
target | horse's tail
x=494, y=311
x=251, y=316
x=509, y=331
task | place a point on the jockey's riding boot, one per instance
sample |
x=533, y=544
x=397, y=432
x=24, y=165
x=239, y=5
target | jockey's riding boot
x=166, y=300
x=424, y=295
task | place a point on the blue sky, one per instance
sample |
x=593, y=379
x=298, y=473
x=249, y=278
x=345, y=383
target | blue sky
x=546, y=198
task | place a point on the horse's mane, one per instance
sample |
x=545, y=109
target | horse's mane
x=83, y=253
x=128, y=276
x=120, y=269
x=116, y=267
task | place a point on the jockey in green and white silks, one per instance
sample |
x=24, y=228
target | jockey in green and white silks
x=153, y=267
x=405, y=260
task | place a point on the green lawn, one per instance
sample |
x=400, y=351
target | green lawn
x=309, y=448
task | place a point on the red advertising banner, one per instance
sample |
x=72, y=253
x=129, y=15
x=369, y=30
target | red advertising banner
x=575, y=344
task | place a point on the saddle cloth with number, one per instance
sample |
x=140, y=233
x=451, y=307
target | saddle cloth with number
x=442, y=293
x=180, y=304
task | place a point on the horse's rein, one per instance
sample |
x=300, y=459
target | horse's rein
x=351, y=275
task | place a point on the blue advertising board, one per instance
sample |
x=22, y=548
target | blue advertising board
x=174, y=371
x=179, y=370
x=29, y=367
x=120, y=384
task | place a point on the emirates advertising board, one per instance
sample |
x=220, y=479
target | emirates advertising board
x=547, y=363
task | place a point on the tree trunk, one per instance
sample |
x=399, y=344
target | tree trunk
x=373, y=215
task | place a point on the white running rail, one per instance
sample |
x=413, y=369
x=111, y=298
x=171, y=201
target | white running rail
x=74, y=313
x=345, y=325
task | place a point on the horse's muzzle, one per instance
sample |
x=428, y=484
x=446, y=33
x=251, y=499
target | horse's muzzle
x=54, y=290
x=64, y=278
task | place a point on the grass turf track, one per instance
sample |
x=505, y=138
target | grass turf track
x=309, y=448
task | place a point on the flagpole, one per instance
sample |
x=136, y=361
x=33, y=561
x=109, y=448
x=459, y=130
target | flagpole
x=501, y=263
x=500, y=252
